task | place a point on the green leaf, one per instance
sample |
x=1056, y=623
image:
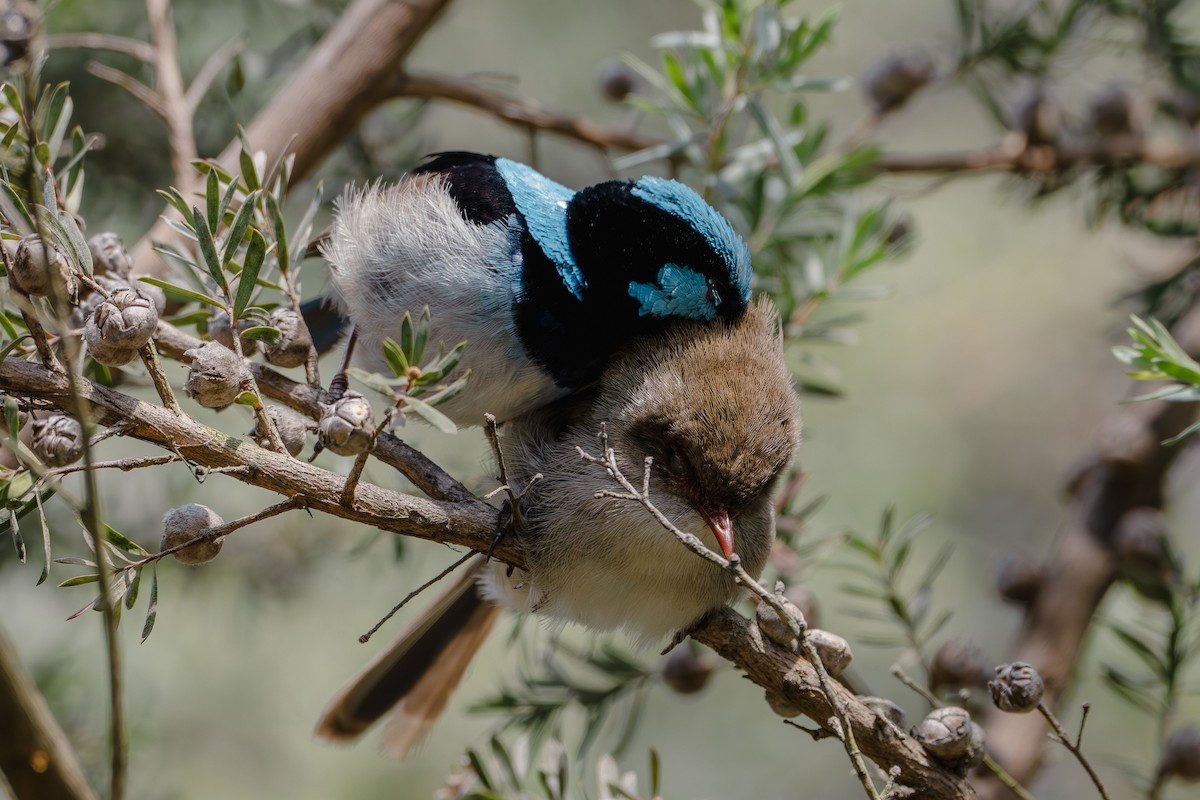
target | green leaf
x=14, y=210
x=176, y=201
x=249, y=171
x=208, y=249
x=406, y=338
x=264, y=333
x=421, y=335
x=120, y=540
x=152, y=609
x=255, y=253
x=280, y=231
x=212, y=196
x=247, y=398
x=79, y=580
x=237, y=231
x=394, y=354
x=181, y=292
x=431, y=415
x=18, y=539
x=135, y=584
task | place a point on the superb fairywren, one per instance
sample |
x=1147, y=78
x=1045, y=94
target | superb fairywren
x=624, y=305
x=545, y=284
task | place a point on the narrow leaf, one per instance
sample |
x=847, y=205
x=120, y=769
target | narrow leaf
x=208, y=249
x=255, y=253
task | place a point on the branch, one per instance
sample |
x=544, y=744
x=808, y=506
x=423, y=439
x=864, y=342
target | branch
x=1128, y=471
x=1013, y=156
x=470, y=523
x=169, y=87
x=791, y=677
x=103, y=41
x=35, y=756
x=523, y=113
x=306, y=399
x=345, y=76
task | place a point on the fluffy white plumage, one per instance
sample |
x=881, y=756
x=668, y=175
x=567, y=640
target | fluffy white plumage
x=408, y=246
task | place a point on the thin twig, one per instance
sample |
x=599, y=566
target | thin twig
x=150, y=98
x=209, y=71
x=1065, y=740
x=149, y=356
x=123, y=464
x=49, y=361
x=366, y=637
x=523, y=113
x=356, y=471
x=734, y=564
x=140, y=50
x=218, y=531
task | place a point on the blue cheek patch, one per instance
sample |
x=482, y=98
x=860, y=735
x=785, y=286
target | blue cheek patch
x=680, y=201
x=680, y=292
x=543, y=204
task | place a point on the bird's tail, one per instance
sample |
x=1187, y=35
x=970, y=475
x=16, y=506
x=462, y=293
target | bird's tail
x=416, y=673
x=325, y=324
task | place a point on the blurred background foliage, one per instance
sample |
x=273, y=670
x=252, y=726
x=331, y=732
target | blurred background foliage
x=970, y=393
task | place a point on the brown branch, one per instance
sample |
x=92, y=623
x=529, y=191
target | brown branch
x=1128, y=471
x=1006, y=157
x=168, y=84
x=469, y=523
x=140, y=50
x=787, y=674
x=35, y=756
x=345, y=76
x=141, y=91
x=306, y=399
x=521, y=112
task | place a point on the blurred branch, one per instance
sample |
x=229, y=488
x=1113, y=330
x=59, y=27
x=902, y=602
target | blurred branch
x=1013, y=155
x=35, y=756
x=1128, y=471
x=521, y=112
x=140, y=50
x=209, y=71
x=176, y=110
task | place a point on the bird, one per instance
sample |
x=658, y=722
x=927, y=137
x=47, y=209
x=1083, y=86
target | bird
x=712, y=405
x=545, y=283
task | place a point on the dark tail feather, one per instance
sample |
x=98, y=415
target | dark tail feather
x=416, y=673
x=325, y=324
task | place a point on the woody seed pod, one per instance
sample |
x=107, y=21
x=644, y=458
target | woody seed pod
x=39, y=266
x=109, y=255
x=685, y=671
x=1181, y=754
x=185, y=523
x=891, y=81
x=951, y=737
x=127, y=319
x=291, y=426
x=219, y=330
x=955, y=665
x=348, y=426
x=886, y=709
x=774, y=626
x=617, y=80
x=834, y=650
x=294, y=342
x=57, y=440
x=216, y=377
x=1017, y=687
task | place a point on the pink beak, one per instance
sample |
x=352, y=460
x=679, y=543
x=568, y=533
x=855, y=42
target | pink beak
x=722, y=528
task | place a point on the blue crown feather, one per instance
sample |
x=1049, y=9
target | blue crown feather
x=681, y=201
x=543, y=204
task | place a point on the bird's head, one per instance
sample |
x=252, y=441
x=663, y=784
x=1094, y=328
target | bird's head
x=679, y=258
x=714, y=407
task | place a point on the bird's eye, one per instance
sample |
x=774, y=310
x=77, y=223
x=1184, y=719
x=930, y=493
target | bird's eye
x=674, y=462
x=713, y=296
